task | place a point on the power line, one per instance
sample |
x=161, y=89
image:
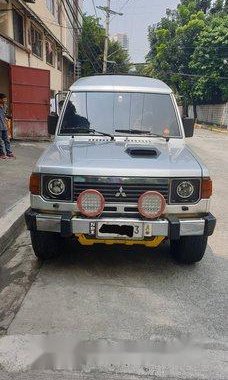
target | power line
x=108, y=11
x=121, y=8
x=95, y=9
x=78, y=23
x=124, y=5
x=70, y=20
x=90, y=47
x=196, y=75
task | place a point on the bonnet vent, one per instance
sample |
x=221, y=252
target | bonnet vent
x=142, y=152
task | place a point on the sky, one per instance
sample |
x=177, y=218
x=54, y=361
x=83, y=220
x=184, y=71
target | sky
x=138, y=15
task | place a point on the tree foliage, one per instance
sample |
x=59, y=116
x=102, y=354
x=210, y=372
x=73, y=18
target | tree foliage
x=189, y=50
x=91, y=47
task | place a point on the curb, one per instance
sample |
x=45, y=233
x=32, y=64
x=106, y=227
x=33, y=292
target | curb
x=12, y=223
x=212, y=129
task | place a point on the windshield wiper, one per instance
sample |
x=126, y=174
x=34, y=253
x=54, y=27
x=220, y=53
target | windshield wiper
x=133, y=131
x=88, y=130
x=141, y=132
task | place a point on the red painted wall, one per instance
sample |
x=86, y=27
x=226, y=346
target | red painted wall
x=30, y=98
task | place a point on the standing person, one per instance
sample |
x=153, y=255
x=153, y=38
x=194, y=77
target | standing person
x=5, y=148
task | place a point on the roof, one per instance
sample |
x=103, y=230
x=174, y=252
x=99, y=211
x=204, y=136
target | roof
x=121, y=83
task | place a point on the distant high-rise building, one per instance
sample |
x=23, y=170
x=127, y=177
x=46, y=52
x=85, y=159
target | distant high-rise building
x=123, y=39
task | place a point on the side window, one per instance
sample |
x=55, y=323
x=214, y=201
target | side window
x=50, y=53
x=36, y=42
x=18, y=27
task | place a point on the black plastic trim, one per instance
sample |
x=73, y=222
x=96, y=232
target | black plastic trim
x=66, y=229
x=210, y=223
x=174, y=228
x=30, y=219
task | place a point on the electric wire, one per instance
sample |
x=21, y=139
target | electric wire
x=73, y=27
x=95, y=9
x=93, y=54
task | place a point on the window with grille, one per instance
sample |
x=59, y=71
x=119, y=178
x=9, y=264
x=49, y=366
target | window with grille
x=36, y=42
x=18, y=27
x=50, y=53
x=59, y=60
x=51, y=6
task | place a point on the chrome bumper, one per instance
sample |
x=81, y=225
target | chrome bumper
x=170, y=227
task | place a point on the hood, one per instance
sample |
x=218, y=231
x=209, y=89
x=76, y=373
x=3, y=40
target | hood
x=105, y=158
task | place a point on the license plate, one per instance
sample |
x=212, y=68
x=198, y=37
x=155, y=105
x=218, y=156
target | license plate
x=112, y=230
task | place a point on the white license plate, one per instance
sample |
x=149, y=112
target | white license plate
x=112, y=230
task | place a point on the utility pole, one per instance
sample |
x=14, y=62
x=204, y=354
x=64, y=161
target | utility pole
x=108, y=12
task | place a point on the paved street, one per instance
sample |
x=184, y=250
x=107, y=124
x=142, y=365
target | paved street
x=125, y=301
x=15, y=174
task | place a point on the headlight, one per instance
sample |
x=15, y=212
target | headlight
x=91, y=203
x=151, y=204
x=57, y=187
x=185, y=190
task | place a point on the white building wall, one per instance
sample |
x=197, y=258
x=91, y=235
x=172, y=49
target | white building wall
x=211, y=114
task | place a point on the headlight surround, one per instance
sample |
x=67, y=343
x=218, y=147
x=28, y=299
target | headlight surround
x=185, y=190
x=57, y=187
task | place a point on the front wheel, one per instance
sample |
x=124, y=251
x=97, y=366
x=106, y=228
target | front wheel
x=46, y=245
x=188, y=249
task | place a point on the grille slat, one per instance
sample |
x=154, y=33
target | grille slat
x=132, y=191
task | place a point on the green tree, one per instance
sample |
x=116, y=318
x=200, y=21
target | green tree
x=217, y=6
x=179, y=45
x=91, y=46
x=210, y=62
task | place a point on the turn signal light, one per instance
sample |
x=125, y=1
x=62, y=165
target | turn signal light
x=206, y=188
x=34, y=184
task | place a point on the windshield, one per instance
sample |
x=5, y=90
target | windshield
x=110, y=111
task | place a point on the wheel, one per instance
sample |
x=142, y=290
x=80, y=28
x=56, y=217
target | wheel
x=189, y=249
x=46, y=245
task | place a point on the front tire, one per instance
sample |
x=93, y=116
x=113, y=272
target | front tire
x=46, y=245
x=188, y=249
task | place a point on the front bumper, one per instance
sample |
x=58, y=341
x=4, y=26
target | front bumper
x=170, y=227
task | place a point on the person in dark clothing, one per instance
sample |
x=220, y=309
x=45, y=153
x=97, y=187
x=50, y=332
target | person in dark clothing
x=5, y=148
x=72, y=121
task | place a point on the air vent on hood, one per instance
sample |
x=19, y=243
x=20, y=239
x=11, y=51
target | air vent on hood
x=137, y=151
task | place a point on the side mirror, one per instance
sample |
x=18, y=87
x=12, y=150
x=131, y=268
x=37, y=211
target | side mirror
x=188, y=125
x=52, y=123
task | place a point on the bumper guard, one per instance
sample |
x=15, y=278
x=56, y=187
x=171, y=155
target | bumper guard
x=171, y=227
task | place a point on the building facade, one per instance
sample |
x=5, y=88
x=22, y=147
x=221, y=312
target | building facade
x=123, y=39
x=38, y=56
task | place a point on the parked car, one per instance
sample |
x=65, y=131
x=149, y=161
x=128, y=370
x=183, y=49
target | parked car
x=119, y=172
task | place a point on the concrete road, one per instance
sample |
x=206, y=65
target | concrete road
x=15, y=174
x=117, y=313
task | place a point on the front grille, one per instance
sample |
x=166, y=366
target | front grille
x=124, y=192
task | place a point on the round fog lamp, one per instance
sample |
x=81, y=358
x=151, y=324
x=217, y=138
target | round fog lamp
x=185, y=189
x=151, y=204
x=91, y=203
x=56, y=186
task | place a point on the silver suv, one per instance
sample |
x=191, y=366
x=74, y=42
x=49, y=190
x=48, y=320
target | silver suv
x=119, y=172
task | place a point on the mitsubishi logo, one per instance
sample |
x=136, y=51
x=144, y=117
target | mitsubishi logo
x=120, y=193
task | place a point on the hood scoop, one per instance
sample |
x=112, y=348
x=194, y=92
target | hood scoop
x=142, y=152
